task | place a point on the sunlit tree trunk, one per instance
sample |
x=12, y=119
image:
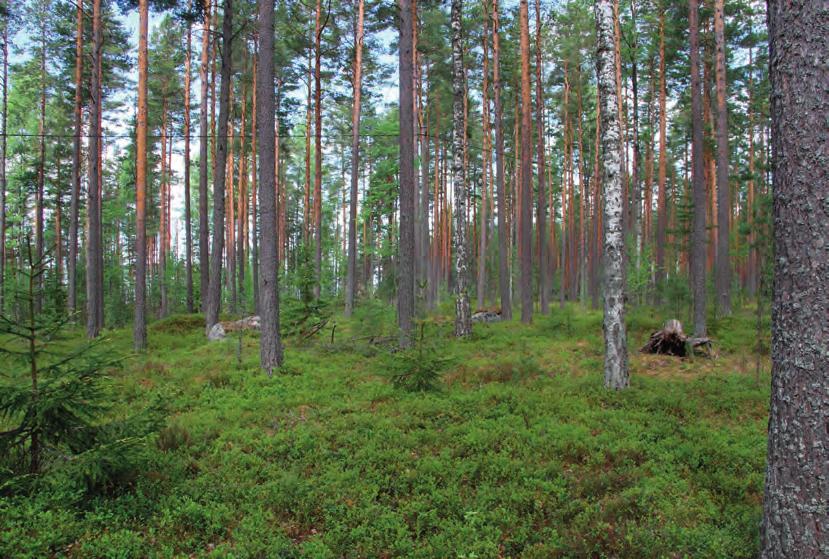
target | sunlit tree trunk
x=241, y=206
x=541, y=209
x=139, y=332
x=723, y=266
x=204, y=229
x=616, y=374
x=525, y=218
x=698, y=244
x=214, y=295
x=795, y=522
x=357, y=85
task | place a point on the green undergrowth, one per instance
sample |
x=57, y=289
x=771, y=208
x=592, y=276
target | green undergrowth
x=514, y=449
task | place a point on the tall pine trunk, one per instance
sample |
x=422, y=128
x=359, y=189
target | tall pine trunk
x=723, y=266
x=616, y=374
x=463, y=324
x=188, y=236
x=795, y=523
x=139, y=332
x=204, y=229
x=503, y=229
x=698, y=243
x=487, y=167
x=94, y=248
x=357, y=85
x=541, y=210
x=214, y=294
x=525, y=217
x=270, y=345
x=319, y=26
x=405, y=281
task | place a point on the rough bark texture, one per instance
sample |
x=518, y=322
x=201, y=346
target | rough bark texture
x=351, y=273
x=541, y=209
x=723, y=266
x=405, y=281
x=795, y=519
x=270, y=345
x=139, y=331
x=214, y=293
x=204, y=230
x=616, y=374
x=503, y=230
x=698, y=244
x=463, y=325
x=94, y=285
x=525, y=217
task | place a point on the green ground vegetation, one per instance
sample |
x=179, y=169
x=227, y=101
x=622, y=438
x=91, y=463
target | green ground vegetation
x=505, y=445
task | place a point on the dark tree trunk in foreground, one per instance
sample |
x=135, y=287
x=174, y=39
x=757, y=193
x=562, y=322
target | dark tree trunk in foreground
x=795, y=519
x=525, y=218
x=463, y=324
x=94, y=283
x=723, y=266
x=616, y=374
x=503, y=231
x=204, y=230
x=405, y=271
x=139, y=332
x=698, y=246
x=214, y=292
x=270, y=346
x=351, y=273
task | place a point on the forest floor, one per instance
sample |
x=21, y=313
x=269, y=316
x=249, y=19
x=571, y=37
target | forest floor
x=520, y=452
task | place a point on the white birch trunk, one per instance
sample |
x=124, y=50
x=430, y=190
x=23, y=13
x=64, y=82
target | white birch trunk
x=463, y=325
x=616, y=375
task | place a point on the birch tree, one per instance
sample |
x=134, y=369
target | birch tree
x=616, y=374
x=463, y=325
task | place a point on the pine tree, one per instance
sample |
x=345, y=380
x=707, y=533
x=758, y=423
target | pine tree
x=795, y=523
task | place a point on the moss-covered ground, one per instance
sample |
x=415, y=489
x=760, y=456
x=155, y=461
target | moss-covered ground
x=519, y=452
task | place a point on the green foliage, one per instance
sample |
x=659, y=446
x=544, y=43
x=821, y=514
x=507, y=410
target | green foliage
x=522, y=453
x=52, y=400
x=419, y=369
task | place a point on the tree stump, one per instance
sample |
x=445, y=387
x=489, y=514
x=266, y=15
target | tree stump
x=671, y=340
